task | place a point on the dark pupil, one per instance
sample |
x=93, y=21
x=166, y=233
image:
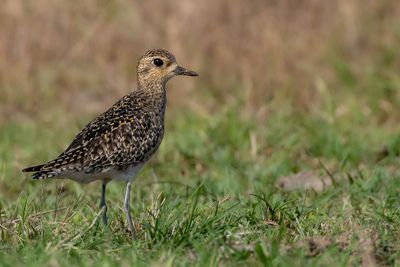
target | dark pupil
x=158, y=62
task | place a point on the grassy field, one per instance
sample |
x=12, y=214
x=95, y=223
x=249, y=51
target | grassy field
x=214, y=195
x=284, y=152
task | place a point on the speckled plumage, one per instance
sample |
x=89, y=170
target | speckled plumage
x=116, y=144
x=127, y=134
x=124, y=136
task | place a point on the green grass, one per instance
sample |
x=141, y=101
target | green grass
x=209, y=197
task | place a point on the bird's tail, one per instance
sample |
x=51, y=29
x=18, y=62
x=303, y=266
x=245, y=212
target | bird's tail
x=39, y=173
x=33, y=168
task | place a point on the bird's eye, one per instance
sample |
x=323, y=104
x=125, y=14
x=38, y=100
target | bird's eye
x=158, y=62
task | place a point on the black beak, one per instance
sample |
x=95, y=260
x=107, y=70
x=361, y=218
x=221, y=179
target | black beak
x=182, y=71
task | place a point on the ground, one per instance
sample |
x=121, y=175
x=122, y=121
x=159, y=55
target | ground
x=221, y=191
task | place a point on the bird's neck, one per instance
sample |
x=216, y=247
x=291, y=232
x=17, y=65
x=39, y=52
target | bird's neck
x=152, y=83
x=155, y=94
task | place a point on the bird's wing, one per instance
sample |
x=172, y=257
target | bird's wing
x=76, y=149
x=93, y=129
x=131, y=142
x=117, y=113
x=127, y=133
x=115, y=143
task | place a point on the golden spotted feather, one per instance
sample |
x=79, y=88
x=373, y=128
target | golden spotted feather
x=126, y=135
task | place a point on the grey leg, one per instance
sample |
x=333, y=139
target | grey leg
x=127, y=208
x=103, y=201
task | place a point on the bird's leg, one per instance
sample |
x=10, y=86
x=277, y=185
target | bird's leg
x=127, y=208
x=103, y=201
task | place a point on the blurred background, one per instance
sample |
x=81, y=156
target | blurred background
x=80, y=56
x=283, y=84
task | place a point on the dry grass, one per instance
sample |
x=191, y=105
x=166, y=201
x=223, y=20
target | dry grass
x=74, y=52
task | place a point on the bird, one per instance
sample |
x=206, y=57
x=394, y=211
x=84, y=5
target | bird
x=117, y=144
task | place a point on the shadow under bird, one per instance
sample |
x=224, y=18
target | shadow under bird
x=116, y=144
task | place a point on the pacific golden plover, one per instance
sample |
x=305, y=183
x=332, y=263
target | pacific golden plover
x=116, y=144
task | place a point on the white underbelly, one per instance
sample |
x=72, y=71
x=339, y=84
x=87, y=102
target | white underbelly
x=128, y=174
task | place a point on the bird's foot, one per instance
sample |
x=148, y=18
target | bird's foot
x=104, y=216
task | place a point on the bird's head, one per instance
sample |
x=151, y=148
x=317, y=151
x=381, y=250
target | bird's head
x=158, y=66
